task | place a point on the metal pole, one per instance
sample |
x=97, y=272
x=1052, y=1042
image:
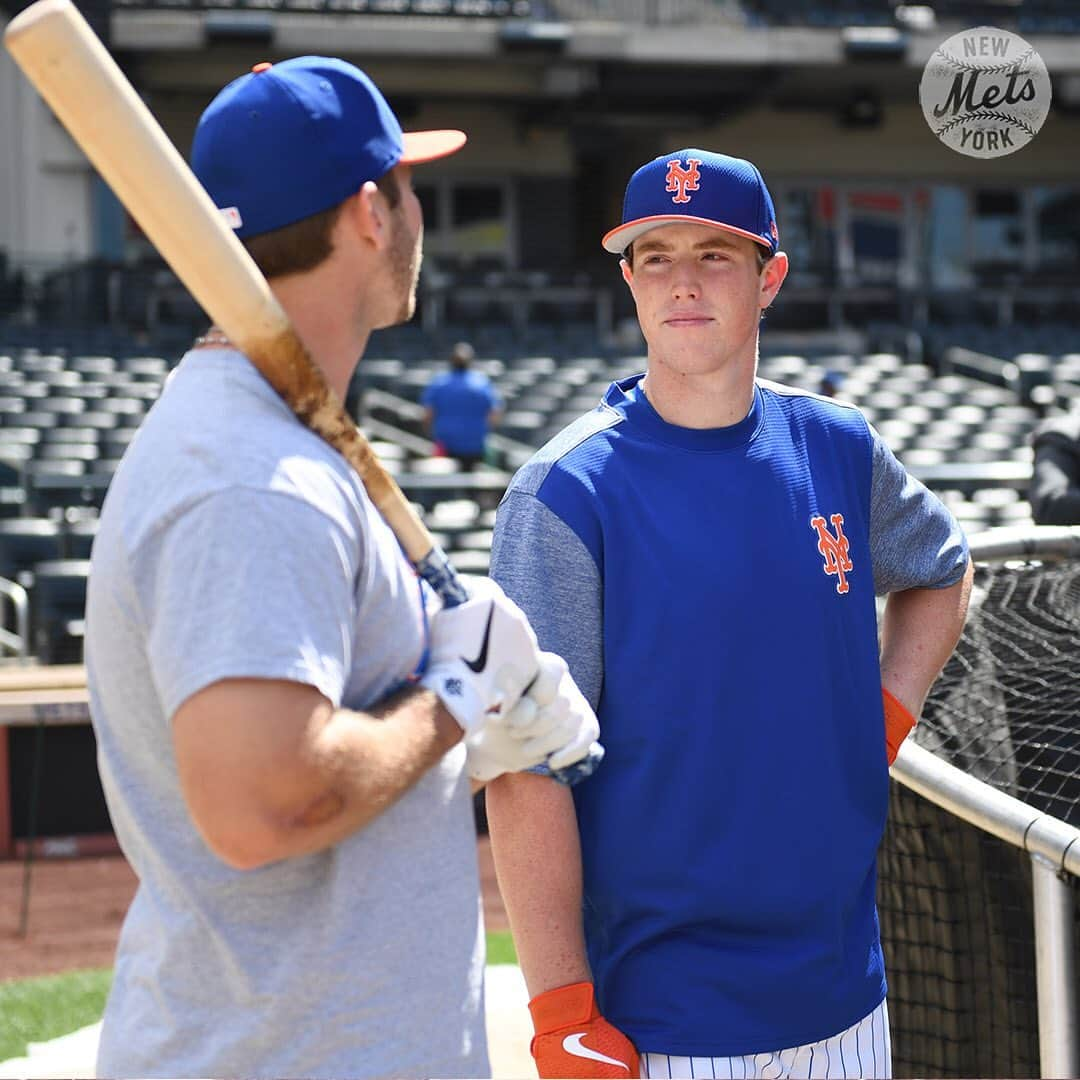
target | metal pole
x=1055, y=971
x=28, y=863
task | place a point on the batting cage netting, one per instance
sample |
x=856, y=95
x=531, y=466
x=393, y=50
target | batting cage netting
x=955, y=902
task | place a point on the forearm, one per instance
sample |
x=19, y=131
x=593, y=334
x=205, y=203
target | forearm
x=299, y=776
x=919, y=630
x=364, y=762
x=537, y=852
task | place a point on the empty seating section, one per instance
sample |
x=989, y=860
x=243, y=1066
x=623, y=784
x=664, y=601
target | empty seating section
x=931, y=421
x=66, y=418
x=1032, y=16
x=810, y=13
x=498, y=9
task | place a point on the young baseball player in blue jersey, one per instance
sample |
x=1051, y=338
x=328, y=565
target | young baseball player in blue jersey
x=705, y=549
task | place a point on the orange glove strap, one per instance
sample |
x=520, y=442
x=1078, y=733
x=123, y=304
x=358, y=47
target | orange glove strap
x=563, y=1007
x=898, y=724
x=573, y=1039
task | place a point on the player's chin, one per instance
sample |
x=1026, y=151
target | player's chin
x=403, y=315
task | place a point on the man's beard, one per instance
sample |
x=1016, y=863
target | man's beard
x=405, y=267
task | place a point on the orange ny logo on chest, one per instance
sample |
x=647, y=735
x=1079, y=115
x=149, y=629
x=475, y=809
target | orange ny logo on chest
x=680, y=180
x=833, y=548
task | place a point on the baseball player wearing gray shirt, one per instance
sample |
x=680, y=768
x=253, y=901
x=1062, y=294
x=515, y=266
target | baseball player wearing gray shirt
x=287, y=723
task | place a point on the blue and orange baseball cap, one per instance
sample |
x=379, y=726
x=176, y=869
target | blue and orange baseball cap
x=289, y=140
x=697, y=187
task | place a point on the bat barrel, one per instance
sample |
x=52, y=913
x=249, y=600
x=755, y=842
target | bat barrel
x=83, y=85
x=72, y=70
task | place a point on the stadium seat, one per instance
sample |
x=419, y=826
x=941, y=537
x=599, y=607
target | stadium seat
x=79, y=536
x=91, y=367
x=472, y=561
x=12, y=500
x=434, y=466
x=63, y=450
x=13, y=461
x=33, y=362
x=57, y=490
x=58, y=610
x=145, y=368
x=917, y=457
x=524, y=425
x=453, y=513
x=98, y=419
x=80, y=434
x=11, y=405
x=26, y=541
x=63, y=405
x=46, y=467
x=473, y=540
x=129, y=407
x=88, y=391
x=115, y=442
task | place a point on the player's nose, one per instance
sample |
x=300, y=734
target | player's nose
x=685, y=286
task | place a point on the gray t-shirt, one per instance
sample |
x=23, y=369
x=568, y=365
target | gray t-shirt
x=235, y=543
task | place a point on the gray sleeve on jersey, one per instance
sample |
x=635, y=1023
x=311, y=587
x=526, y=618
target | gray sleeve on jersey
x=543, y=566
x=915, y=542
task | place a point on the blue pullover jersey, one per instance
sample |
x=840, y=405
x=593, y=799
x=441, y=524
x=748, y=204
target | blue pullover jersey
x=719, y=610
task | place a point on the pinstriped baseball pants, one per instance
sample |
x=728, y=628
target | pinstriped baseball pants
x=862, y=1052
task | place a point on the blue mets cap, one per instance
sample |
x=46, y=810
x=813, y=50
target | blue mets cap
x=289, y=140
x=696, y=187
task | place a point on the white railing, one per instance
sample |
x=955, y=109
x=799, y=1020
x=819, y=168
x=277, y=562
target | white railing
x=14, y=642
x=1053, y=845
x=1055, y=851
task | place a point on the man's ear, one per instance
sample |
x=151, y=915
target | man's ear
x=627, y=273
x=368, y=214
x=772, y=277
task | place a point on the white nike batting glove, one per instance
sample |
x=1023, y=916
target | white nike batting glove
x=483, y=655
x=552, y=723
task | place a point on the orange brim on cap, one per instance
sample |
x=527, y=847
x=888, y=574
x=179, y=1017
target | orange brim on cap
x=421, y=146
x=622, y=236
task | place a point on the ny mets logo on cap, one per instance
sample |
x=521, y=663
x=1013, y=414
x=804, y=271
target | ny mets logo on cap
x=833, y=548
x=696, y=187
x=680, y=180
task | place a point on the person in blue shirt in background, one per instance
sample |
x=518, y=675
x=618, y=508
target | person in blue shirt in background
x=462, y=406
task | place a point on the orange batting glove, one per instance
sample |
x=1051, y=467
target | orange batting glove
x=573, y=1040
x=898, y=724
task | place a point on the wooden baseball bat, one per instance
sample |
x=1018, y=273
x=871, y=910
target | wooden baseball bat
x=72, y=70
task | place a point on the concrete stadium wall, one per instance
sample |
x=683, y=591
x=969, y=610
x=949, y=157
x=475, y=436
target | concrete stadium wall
x=46, y=185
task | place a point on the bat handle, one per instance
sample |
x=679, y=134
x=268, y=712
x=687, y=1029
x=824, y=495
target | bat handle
x=436, y=570
x=579, y=770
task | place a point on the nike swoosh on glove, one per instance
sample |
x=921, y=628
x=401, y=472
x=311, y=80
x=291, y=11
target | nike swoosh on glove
x=573, y=1040
x=483, y=655
x=551, y=722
